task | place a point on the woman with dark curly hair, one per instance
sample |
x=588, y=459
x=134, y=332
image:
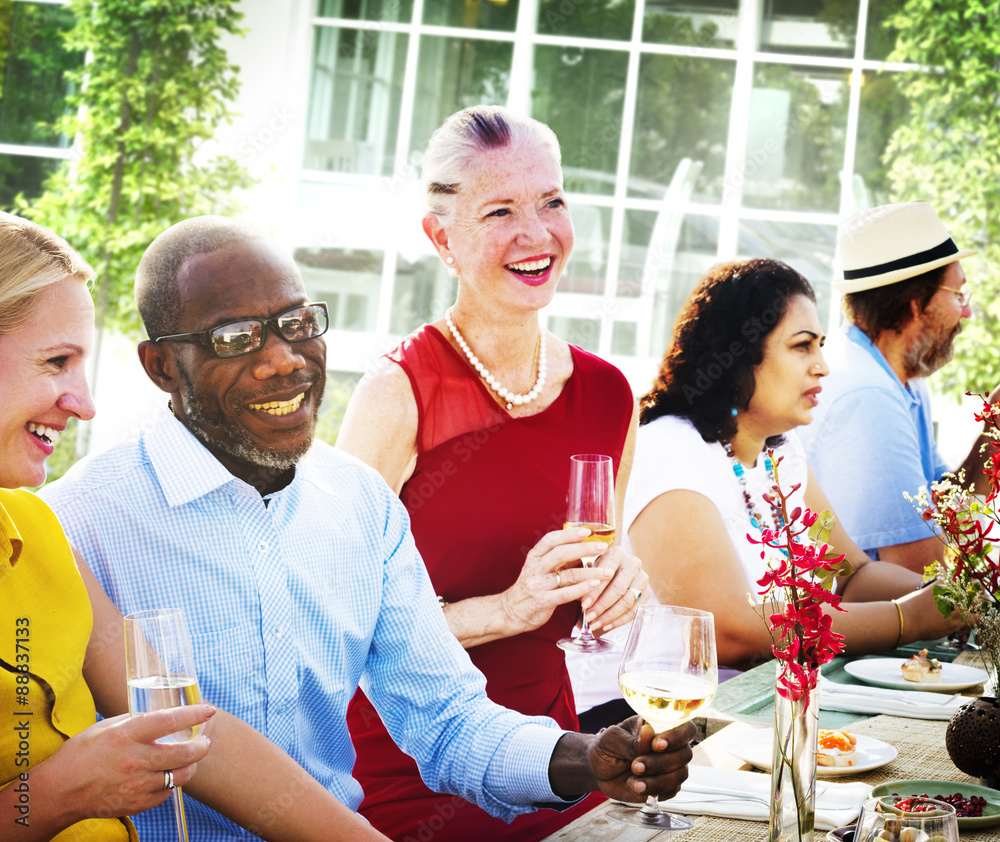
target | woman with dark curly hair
x=744, y=370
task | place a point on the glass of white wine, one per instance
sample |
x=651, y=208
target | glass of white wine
x=669, y=672
x=590, y=503
x=160, y=673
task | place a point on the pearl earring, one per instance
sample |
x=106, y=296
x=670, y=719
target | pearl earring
x=449, y=260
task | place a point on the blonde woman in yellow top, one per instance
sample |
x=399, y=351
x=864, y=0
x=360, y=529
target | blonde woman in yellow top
x=63, y=776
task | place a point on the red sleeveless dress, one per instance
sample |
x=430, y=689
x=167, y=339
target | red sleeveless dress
x=485, y=489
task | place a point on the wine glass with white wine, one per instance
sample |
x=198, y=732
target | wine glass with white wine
x=160, y=674
x=590, y=503
x=669, y=672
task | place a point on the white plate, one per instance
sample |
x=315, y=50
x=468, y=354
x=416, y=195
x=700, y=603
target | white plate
x=756, y=747
x=886, y=672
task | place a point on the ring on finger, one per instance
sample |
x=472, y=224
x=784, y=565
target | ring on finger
x=637, y=594
x=558, y=580
x=168, y=779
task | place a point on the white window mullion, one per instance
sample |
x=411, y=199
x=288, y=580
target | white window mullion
x=402, y=172
x=739, y=128
x=523, y=58
x=853, y=114
x=617, y=230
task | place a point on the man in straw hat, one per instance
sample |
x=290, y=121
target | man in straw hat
x=872, y=437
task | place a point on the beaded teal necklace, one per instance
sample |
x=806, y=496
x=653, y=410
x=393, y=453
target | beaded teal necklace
x=756, y=520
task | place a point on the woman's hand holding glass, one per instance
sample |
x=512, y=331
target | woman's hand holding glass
x=591, y=503
x=161, y=676
x=116, y=767
x=552, y=575
x=619, y=601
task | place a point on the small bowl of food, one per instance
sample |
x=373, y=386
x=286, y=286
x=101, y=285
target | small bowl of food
x=841, y=834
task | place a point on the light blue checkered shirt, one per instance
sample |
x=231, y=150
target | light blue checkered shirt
x=871, y=439
x=290, y=606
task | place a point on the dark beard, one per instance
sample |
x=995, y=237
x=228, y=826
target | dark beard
x=240, y=445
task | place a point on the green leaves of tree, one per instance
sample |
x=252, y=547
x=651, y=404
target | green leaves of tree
x=155, y=86
x=948, y=153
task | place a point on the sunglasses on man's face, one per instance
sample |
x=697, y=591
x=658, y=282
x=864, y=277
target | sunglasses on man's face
x=244, y=336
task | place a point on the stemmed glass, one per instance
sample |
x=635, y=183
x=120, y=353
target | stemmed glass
x=591, y=503
x=160, y=674
x=894, y=817
x=668, y=673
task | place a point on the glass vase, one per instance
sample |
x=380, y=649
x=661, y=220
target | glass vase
x=793, y=769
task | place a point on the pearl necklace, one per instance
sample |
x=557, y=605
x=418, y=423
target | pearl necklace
x=512, y=399
x=756, y=520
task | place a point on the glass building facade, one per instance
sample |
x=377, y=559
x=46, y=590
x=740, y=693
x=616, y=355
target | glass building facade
x=691, y=132
x=33, y=61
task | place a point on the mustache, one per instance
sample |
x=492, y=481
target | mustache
x=279, y=384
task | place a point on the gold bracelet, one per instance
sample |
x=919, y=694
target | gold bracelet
x=899, y=608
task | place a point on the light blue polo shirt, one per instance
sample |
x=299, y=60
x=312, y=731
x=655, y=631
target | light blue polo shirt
x=871, y=439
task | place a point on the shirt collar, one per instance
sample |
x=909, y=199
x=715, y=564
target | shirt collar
x=10, y=538
x=863, y=341
x=185, y=468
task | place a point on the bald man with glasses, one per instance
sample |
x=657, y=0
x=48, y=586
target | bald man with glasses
x=294, y=563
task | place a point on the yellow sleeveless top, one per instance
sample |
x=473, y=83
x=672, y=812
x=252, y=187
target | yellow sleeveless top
x=45, y=624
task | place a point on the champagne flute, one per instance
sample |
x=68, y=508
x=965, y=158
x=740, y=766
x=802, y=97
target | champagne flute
x=160, y=673
x=668, y=673
x=591, y=503
x=895, y=817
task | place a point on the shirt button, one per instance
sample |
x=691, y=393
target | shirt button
x=277, y=630
x=282, y=710
x=263, y=546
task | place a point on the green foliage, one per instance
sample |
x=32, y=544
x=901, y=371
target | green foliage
x=154, y=89
x=33, y=74
x=883, y=109
x=814, y=144
x=335, y=397
x=684, y=107
x=947, y=152
x=36, y=70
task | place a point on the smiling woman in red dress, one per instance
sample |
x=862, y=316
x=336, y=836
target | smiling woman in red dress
x=472, y=421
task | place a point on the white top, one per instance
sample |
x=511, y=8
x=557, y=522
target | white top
x=671, y=455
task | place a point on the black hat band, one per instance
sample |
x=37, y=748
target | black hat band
x=946, y=248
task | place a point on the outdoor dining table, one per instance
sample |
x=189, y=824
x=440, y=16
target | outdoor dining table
x=746, y=702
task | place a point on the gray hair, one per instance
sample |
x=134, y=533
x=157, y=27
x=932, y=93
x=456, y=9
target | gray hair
x=457, y=145
x=156, y=278
x=31, y=259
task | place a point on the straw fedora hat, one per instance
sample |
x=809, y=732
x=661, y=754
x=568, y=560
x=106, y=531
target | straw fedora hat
x=891, y=243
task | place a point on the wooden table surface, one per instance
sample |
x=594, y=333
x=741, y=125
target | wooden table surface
x=748, y=704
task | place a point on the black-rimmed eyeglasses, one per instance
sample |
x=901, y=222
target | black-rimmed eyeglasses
x=244, y=336
x=964, y=295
